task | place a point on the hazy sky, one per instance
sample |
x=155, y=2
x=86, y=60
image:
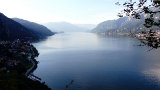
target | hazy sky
x=74, y=11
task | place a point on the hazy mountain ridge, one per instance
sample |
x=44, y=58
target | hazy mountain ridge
x=66, y=27
x=124, y=24
x=41, y=30
x=11, y=30
x=86, y=26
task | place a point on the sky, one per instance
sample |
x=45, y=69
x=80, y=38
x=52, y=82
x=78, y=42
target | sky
x=73, y=11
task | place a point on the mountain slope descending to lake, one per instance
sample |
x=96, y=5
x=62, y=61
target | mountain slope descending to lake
x=11, y=30
x=124, y=25
x=41, y=30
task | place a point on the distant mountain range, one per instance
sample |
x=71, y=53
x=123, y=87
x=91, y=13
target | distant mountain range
x=86, y=26
x=11, y=30
x=68, y=27
x=123, y=25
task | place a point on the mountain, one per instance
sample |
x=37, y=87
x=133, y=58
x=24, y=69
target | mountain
x=124, y=25
x=11, y=30
x=64, y=27
x=40, y=30
x=86, y=26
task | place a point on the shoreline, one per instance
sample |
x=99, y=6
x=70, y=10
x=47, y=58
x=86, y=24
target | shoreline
x=18, y=61
x=29, y=71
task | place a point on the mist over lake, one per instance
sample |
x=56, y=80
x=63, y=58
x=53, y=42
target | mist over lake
x=95, y=62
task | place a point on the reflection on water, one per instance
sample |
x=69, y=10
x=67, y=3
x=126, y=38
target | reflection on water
x=97, y=63
x=68, y=87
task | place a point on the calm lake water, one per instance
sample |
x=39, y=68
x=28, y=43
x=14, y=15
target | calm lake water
x=97, y=62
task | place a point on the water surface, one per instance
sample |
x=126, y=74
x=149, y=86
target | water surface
x=97, y=62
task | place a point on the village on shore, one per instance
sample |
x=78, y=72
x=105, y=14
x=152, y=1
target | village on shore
x=140, y=35
x=16, y=56
x=17, y=62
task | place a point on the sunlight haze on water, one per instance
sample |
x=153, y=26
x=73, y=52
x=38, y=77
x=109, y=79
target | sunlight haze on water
x=96, y=62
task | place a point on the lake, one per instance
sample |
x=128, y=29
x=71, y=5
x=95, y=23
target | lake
x=87, y=61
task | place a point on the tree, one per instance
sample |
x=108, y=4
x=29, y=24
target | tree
x=149, y=10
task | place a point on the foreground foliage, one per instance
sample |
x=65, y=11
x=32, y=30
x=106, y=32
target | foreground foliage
x=17, y=81
x=149, y=10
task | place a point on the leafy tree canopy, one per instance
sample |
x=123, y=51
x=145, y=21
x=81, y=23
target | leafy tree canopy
x=149, y=10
